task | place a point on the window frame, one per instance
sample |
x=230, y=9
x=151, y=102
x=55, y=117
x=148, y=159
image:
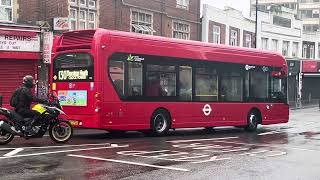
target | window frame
x=146, y=27
x=248, y=41
x=81, y=4
x=183, y=4
x=9, y=15
x=94, y=2
x=233, y=37
x=73, y=19
x=216, y=34
x=183, y=33
x=285, y=51
x=295, y=49
x=264, y=43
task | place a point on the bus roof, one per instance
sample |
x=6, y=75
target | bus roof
x=162, y=46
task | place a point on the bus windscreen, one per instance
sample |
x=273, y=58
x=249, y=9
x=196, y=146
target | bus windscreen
x=77, y=67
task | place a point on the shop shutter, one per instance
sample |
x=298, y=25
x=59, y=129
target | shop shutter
x=11, y=73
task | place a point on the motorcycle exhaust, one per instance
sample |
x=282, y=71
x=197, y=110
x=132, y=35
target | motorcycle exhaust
x=5, y=126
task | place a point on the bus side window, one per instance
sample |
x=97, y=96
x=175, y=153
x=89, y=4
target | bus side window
x=135, y=79
x=116, y=70
x=185, y=82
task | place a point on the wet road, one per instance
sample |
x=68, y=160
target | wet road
x=285, y=151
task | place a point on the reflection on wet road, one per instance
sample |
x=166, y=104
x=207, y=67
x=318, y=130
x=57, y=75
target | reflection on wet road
x=285, y=151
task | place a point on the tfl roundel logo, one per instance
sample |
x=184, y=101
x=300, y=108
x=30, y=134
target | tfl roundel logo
x=207, y=110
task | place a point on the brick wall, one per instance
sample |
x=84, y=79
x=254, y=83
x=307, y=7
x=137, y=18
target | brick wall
x=115, y=15
x=41, y=10
x=28, y=11
x=222, y=32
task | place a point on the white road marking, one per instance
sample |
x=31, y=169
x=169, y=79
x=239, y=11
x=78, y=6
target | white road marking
x=65, y=151
x=267, y=133
x=11, y=153
x=64, y=146
x=211, y=139
x=212, y=159
x=129, y=162
x=267, y=153
x=132, y=153
x=262, y=145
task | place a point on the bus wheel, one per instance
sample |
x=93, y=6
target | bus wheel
x=160, y=122
x=253, y=120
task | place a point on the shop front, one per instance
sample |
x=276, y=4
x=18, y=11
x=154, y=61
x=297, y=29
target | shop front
x=19, y=56
x=311, y=82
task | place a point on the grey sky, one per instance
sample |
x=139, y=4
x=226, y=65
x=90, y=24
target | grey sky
x=242, y=5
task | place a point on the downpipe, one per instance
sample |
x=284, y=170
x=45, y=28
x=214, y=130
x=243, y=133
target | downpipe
x=6, y=127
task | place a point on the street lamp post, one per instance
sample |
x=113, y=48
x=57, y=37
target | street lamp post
x=256, y=24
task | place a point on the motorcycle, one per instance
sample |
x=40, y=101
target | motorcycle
x=60, y=130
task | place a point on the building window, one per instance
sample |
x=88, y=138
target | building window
x=274, y=46
x=73, y=1
x=295, y=49
x=318, y=50
x=233, y=38
x=285, y=48
x=6, y=12
x=280, y=21
x=82, y=21
x=264, y=43
x=83, y=2
x=92, y=4
x=183, y=4
x=92, y=20
x=73, y=19
x=310, y=27
x=306, y=14
x=84, y=17
x=181, y=30
x=304, y=51
x=141, y=22
x=315, y=13
x=312, y=51
x=216, y=34
x=248, y=40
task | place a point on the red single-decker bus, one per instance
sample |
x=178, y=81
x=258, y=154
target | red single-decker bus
x=126, y=81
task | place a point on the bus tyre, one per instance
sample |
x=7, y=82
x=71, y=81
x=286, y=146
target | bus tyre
x=160, y=122
x=253, y=120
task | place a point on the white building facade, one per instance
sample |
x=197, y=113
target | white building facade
x=280, y=31
x=227, y=26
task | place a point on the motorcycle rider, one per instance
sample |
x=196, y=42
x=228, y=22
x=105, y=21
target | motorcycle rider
x=25, y=99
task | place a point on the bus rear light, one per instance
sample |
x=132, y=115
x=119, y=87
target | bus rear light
x=97, y=103
x=54, y=86
x=91, y=86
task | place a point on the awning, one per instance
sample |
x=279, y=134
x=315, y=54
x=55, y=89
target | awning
x=143, y=28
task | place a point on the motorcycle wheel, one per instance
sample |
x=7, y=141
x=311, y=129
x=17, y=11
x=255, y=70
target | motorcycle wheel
x=60, y=131
x=5, y=137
